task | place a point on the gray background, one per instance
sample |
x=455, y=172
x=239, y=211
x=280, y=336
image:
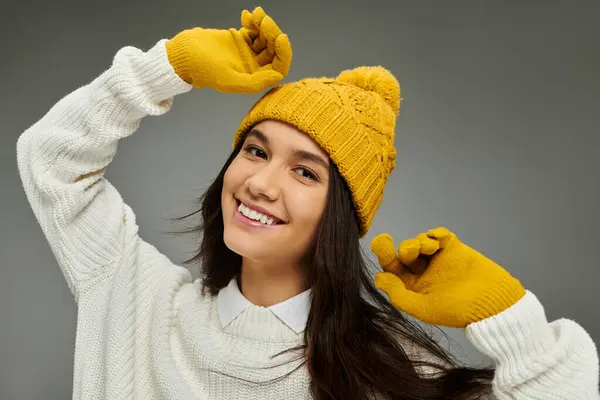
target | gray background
x=498, y=140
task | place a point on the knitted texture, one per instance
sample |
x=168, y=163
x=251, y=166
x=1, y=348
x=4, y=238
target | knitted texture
x=441, y=281
x=352, y=117
x=247, y=60
x=144, y=329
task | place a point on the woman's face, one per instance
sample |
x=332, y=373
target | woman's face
x=274, y=194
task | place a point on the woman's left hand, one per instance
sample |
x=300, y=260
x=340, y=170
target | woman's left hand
x=439, y=280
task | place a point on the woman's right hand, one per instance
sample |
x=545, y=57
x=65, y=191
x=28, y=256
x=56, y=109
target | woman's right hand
x=247, y=60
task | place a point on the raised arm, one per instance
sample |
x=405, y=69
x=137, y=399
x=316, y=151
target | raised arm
x=62, y=157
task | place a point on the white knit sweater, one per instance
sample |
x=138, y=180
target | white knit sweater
x=145, y=331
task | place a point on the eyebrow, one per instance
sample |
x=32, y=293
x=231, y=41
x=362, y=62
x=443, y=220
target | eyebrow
x=302, y=154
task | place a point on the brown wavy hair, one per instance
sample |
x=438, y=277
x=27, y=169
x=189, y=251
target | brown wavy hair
x=359, y=345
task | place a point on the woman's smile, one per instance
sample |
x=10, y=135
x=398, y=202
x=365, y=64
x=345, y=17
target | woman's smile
x=251, y=216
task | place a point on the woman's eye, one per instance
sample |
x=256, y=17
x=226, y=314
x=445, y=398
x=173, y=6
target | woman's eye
x=305, y=173
x=256, y=152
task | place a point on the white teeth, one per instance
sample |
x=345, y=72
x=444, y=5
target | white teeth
x=255, y=215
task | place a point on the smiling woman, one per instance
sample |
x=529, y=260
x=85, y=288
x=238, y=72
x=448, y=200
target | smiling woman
x=285, y=307
x=307, y=268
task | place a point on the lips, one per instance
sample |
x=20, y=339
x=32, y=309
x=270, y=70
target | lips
x=258, y=214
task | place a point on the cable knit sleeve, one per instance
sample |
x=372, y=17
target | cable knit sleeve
x=535, y=359
x=63, y=156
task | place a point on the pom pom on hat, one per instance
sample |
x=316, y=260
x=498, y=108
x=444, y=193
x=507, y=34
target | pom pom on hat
x=374, y=79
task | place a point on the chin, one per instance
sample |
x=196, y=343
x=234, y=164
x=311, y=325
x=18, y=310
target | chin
x=247, y=245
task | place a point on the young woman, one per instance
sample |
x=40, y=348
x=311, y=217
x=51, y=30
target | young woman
x=285, y=308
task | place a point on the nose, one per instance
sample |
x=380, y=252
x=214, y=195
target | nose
x=265, y=182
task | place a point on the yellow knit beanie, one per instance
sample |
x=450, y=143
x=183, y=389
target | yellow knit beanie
x=352, y=117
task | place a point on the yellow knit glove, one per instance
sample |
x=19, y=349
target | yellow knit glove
x=247, y=60
x=437, y=279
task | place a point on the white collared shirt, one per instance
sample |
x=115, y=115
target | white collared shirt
x=292, y=312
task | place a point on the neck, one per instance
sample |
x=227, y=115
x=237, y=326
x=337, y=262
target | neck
x=265, y=285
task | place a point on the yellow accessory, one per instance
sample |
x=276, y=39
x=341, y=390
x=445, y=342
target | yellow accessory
x=233, y=61
x=452, y=284
x=352, y=117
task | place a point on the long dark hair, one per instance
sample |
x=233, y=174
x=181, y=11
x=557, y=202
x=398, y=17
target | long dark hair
x=358, y=344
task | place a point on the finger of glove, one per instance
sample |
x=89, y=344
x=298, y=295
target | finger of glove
x=409, y=250
x=252, y=23
x=248, y=29
x=252, y=20
x=403, y=299
x=258, y=14
x=428, y=246
x=383, y=247
x=283, y=54
x=441, y=234
x=255, y=82
x=268, y=32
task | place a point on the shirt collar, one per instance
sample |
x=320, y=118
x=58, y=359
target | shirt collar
x=292, y=312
